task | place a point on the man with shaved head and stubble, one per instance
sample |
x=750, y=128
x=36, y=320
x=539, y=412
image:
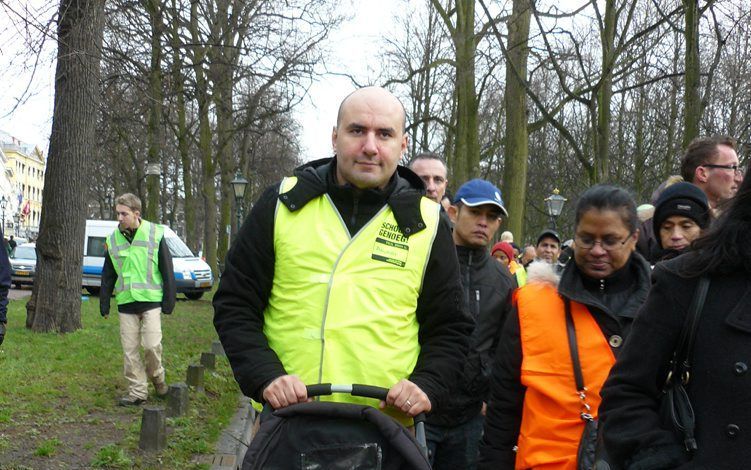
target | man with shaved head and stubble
x=345, y=273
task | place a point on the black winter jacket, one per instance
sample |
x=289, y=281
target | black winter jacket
x=5, y=284
x=246, y=283
x=613, y=302
x=720, y=385
x=487, y=288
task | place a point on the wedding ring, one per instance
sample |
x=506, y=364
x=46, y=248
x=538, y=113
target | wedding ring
x=409, y=404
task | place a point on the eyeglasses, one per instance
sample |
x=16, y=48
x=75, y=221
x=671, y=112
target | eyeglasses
x=736, y=169
x=607, y=244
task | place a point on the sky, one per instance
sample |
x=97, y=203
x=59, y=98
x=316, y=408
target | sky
x=26, y=98
x=354, y=48
x=27, y=90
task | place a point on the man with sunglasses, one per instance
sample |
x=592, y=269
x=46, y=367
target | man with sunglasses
x=711, y=163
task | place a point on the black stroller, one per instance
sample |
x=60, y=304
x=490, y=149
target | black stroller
x=336, y=436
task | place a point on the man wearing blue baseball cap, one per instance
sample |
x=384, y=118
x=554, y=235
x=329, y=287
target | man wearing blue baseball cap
x=454, y=431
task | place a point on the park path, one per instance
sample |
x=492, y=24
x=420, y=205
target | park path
x=15, y=294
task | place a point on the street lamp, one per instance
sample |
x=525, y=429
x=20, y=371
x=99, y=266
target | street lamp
x=554, y=206
x=109, y=201
x=3, y=205
x=238, y=187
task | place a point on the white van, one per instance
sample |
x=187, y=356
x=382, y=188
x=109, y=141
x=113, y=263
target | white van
x=192, y=275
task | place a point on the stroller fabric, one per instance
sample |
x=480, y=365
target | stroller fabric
x=332, y=436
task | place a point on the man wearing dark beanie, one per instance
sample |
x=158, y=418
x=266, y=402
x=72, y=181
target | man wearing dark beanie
x=681, y=213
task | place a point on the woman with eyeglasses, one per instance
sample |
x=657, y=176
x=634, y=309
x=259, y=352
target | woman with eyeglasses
x=538, y=410
x=719, y=381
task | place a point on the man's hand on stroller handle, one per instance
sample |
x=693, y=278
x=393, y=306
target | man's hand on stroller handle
x=408, y=397
x=284, y=391
x=289, y=389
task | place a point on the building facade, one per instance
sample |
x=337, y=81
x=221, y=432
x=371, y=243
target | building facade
x=25, y=166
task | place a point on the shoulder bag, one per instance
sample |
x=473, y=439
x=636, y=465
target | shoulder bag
x=675, y=407
x=585, y=457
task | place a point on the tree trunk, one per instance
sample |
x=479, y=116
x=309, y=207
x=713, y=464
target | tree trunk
x=605, y=95
x=203, y=98
x=225, y=134
x=209, y=188
x=467, y=155
x=516, y=151
x=183, y=142
x=153, y=180
x=668, y=161
x=55, y=304
x=640, y=157
x=692, y=108
x=223, y=62
x=465, y=160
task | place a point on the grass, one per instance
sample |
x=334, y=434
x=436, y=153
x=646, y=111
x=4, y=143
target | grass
x=111, y=456
x=58, y=394
x=47, y=448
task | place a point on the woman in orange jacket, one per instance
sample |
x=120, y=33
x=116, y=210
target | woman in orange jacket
x=536, y=414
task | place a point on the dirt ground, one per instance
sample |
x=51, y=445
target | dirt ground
x=79, y=444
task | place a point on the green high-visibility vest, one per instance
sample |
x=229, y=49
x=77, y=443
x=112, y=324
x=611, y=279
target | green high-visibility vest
x=342, y=309
x=137, y=264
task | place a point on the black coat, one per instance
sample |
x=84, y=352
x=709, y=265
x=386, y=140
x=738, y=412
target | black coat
x=5, y=279
x=487, y=288
x=720, y=385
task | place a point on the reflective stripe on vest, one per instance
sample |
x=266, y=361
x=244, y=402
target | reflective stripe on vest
x=342, y=309
x=551, y=426
x=137, y=264
x=519, y=272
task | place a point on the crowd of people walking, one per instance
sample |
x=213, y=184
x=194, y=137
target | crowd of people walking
x=554, y=355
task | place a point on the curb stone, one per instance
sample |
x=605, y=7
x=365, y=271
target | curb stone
x=234, y=440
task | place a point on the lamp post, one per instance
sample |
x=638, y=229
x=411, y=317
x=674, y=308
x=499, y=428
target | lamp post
x=109, y=201
x=238, y=187
x=3, y=205
x=554, y=206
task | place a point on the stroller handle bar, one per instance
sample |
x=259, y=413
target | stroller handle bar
x=370, y=391
x=356, y=390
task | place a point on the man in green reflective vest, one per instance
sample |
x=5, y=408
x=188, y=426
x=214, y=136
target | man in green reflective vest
x=138, y=269
x=345, y=273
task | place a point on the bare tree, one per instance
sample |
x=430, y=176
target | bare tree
x=516, y=149
x=459, y=20
x=55, y=303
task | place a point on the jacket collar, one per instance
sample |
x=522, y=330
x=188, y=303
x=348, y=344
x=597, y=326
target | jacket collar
x=740, y=316
x=403, y=192
x=477, y=255
x=572, y=285
x=739, y=312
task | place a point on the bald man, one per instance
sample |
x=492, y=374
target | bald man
x=345, y=273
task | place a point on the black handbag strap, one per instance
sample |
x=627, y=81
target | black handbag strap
x=586, y=412
x=680, y=364
x=573, y=346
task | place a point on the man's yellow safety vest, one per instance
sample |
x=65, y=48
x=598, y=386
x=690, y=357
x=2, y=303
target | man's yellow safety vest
x=342, y=308
x=137, y=264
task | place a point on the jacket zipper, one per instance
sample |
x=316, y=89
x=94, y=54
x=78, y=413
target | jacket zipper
x=353, y=217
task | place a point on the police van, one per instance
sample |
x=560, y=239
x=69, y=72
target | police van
x=192, y=275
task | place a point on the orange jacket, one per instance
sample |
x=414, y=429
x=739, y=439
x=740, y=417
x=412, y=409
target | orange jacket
x=551, y=425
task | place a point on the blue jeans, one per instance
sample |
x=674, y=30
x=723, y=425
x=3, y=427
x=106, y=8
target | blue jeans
x=455, y=447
